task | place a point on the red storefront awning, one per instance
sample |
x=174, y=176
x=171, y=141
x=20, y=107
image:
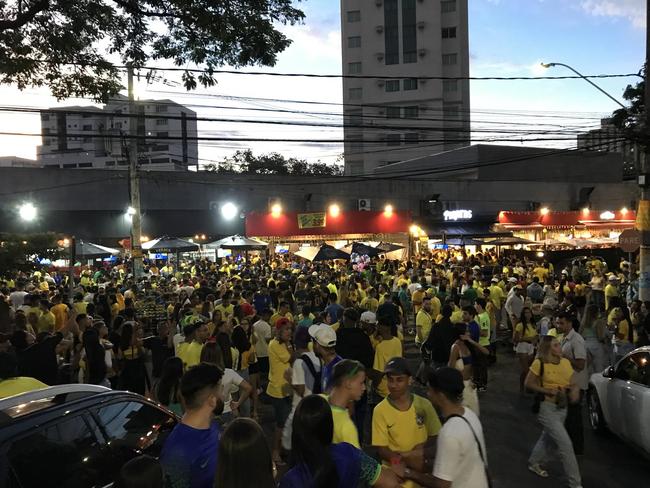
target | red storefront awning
x=288, y=224
x=580, y=218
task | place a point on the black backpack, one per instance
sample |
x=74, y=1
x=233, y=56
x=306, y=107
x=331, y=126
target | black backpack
x=312, y=370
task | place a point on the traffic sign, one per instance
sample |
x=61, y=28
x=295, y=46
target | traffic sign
x=630, y=240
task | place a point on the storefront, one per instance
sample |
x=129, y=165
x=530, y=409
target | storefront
x=337, y=227
x=582, y=228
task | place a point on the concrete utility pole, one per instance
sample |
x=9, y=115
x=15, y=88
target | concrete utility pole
x=643, y=214
x=134, y=182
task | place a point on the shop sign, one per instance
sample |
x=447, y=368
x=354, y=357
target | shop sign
x=455, y=215
x=312, y=220
x=607, y=215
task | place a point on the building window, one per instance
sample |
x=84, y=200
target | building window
x=161, y=121
x=449, y=59
x=449, y=86
x=162, y=134
x=109, y=163
x=392, y=85
x=355, y=167
x=448, y=32
x=161, y=109
x=393, y=112
x=87, y=139
x=354, y=41
x=410, y=84
x=354, y=68
x=354, y=117
x=447, y=6
x=391, y=32
x=87, y=127
x=393, y=140
x=70, y=165
x=117, y=125
x=85, y=165
x=411, y=138
x=45, y=117
x=451, y=111
x=354, y=15
x=409, y=32
x=412, y=112
x=356, y=144
x=355, y=93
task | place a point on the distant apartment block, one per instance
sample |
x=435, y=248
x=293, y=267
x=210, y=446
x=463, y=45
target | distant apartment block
x=404, y=115
x=610, y=139
x=16, y=162
x=92, y=137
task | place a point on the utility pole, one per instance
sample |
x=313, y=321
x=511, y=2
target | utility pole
x=643, y=214
x=134, y=182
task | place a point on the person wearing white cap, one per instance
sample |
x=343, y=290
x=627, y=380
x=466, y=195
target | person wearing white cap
x=611, y=289
x=324, y=338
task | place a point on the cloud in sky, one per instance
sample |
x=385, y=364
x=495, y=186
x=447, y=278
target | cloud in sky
x=632, y=10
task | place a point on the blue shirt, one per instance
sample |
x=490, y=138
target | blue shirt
x=326, y=375
x=474, y=330
x=189, y=456
x=260, y=302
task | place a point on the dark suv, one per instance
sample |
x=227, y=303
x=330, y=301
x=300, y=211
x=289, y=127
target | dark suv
x=76, y=436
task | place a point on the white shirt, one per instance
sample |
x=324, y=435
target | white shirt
x=300, y=375
x=263, y=333
x=458, y=459
x=17, y=298
x=230, y=382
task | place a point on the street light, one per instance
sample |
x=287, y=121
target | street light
x=551, y=65
x=544, y=211
x=388, y=210
x=27, y=212
x=229, y=211
x=276, y=210
x=334, y=210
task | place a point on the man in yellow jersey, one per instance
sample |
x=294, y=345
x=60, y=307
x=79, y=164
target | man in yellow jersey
x=389, y=347
x=404, y=425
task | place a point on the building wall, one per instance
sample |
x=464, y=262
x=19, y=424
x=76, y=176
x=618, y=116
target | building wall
x=91, y=204
x=385, y=122
x=93, y=139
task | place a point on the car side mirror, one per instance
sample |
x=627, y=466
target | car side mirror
x=609, y=372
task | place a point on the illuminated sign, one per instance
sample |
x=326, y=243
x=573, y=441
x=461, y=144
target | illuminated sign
x=607, y=215
x=312, y=220
x=457, y=215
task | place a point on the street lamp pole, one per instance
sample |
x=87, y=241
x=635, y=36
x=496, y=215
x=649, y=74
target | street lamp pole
x=643, y=212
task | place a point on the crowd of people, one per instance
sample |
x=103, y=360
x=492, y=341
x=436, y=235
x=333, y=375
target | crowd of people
x=322, y=344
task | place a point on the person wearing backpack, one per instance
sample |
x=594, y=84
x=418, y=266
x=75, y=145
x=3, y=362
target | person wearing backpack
x=305, y=378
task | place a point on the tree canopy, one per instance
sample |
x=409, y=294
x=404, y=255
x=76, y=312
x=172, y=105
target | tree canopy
x=69, y=45
x=632, y=119
x=273, y=164
x=23, y=252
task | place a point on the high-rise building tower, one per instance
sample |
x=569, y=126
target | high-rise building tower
x=397, y=114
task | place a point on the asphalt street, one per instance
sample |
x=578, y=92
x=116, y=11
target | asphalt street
x=511, y=430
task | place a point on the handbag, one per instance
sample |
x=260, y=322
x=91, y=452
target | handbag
x=539, y=397
x=478, y=444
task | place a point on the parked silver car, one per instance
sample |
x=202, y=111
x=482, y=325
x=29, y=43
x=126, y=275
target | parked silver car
x=619, y=398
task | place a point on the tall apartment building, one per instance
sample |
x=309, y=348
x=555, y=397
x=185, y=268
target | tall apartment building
x=608, y=138
x=92, y=137
x=404, y=115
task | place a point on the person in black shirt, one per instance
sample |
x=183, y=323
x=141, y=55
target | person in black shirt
x=161, y=348
x=442, y=336
x=354, y=343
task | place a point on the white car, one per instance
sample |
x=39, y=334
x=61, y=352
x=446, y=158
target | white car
x=619, y=398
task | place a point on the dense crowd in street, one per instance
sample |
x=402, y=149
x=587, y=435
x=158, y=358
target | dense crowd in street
x=322, y=345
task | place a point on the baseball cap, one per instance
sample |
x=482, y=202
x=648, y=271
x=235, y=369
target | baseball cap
x=447, y=380
x=494, y=280
x=512, y=280
x=397, y=366
x=324, y=335
x=369, y=317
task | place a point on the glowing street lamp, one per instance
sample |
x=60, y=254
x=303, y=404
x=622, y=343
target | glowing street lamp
x=27, y=212
x=229, y=211
x=276, y=210
x=544, y=211
x=388, y=210
x=334, y=210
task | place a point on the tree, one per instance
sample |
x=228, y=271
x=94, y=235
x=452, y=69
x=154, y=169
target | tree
x=57, y=43
x=631, y=120
x=23, y=252
x=273, y=164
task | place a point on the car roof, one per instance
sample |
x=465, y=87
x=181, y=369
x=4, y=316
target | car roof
x=41, y=400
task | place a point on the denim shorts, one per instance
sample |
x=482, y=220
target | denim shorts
x=281, y=410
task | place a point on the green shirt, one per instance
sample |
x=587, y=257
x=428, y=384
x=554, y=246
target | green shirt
x=484, y=324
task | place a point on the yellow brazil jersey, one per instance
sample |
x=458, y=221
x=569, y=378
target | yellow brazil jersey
x=226, y=311
x=530, y=333
x=279, y=358
x=369, y=303
x=190, y=354
x=344, y=428
x=401, y=431
x=423, y=322
x=555, y=375
x=384, y=352
x=46, y=322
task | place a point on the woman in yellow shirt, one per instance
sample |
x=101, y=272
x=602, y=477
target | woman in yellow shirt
x=525, y=339
x=552, y=376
